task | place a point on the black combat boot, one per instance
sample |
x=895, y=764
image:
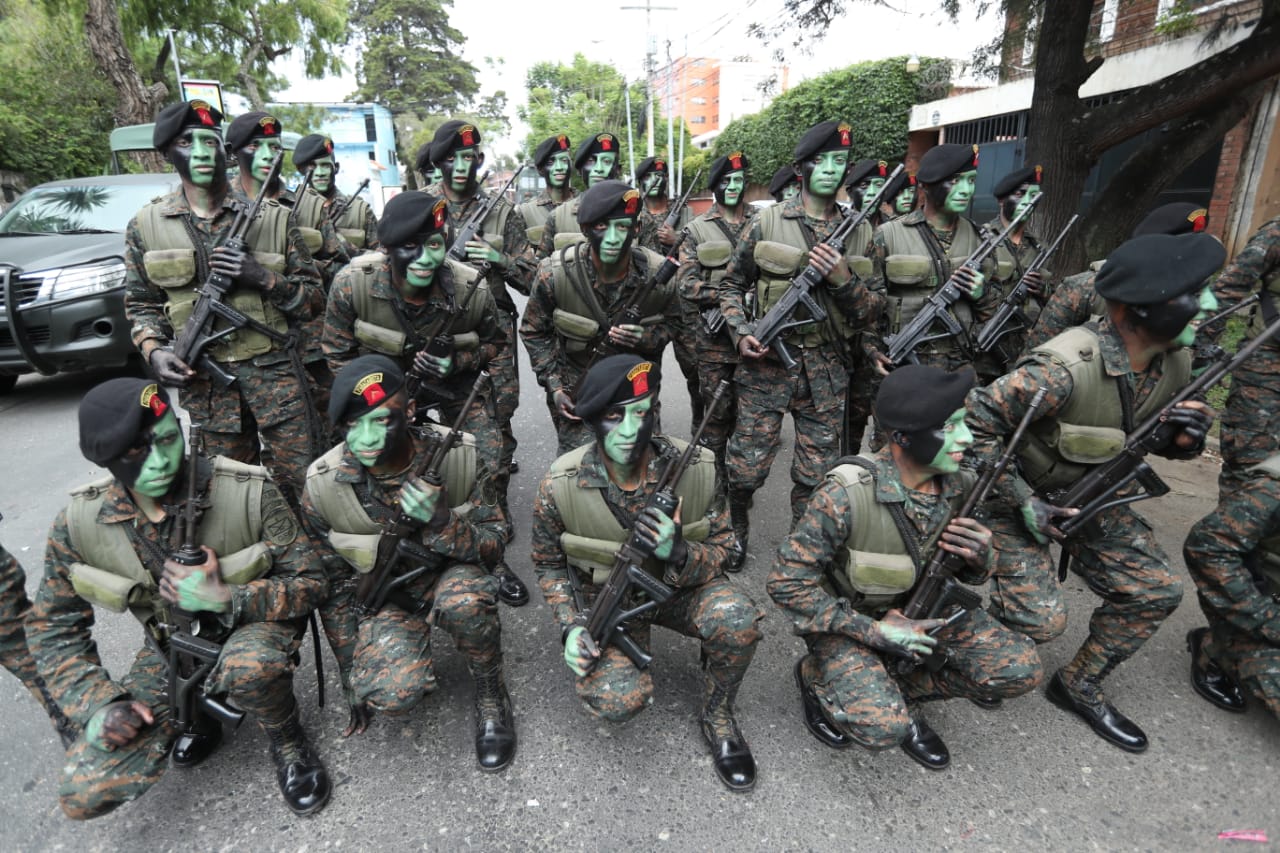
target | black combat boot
x=740, y=518
x=815, y=719
x=67, y=730
x=925, y=745
x=1209, y=679
x=730, y=755
x=1080, y=691
x=511, y=590
x=192, y=747
x=303, y=780
x=495, y=722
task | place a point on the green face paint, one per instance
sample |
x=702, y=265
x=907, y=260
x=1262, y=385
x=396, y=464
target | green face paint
x=790, y=191
x=558, y=169
x=367, y=435
x=905, y=201
x=1208, y=305
x=625, y=430
x=869, y=192
x=734, y=184
x=322, y=174
x=654, y=183
x=164, y=458
x=825, y=172
x=961, y=191
x=613, y=236
x=465, y=163
x=198, y=156
x=1028, y=195
x=600, y=167
x=955, y=438
x=264, y=151
x=421, y=271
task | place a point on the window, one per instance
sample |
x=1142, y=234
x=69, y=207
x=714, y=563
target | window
x=698, y=120
x=697, y=81
x=1107, y=25
x=370, y=129
x=698, y=101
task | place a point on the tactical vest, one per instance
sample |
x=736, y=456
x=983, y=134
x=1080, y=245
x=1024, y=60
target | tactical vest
x=910, y=276
x=1089, y=429
x=378, y=329
x=1006, y=267
x=875, y=571
x=575, y=318
x=1271, y=285
x=535, y=217
x=565, y=218
x=169, y=259
x=781, y=254
x=351, y=223
x=713, y=251
x=353, y=534
x=591, y=533
x=112, y=576
x=309, y=219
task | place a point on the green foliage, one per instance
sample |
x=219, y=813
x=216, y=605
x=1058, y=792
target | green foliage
x=875, y=98
x=1178, y=20
x=412, y=57
x=300, y=118
x=43, y=58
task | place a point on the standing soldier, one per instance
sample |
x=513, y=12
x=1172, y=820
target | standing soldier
x=554, y=163
x=402, y=302
x=596, y=160
x=578, y=300
x=353, y=492
x=172, y=246
x=1101, y=380
x=581, y=516
x=781, y=242
x=713, y=236
x=845, y=573
x=356, y=224
x=112, y=547
x=865, y=180
x=785, y=184
x=902, y=194
x=1015, y=253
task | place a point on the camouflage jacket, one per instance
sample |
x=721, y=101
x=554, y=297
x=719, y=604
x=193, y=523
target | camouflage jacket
x=334, y=252
x=1071, y=304
x=1260, y=257
x=651, y=222
x=692, y=277
x=515, y=243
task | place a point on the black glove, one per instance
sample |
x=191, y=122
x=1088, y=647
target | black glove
x=170, y=369
x=239, y=266
x=1184, y=421
x=660, y=536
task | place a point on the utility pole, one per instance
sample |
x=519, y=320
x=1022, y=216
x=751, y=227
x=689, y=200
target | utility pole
x=649, y=63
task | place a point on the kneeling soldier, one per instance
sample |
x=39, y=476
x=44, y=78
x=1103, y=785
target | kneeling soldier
x=353, y=493
x=846, y=571
x=111, y=547
x=578, y=525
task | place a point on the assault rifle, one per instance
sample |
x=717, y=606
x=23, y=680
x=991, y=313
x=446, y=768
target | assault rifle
x=441, y=344
x=937, y=308
x=770, y=328
x=387, y=582
x=1101, y=487
x=340, y=209
x=1009, y=317
x=298, y=196
x=606, y=617
x=193, y=342
x=673, y=216
x=631, y=314
x=937, y=591
x=190, y=658
x=471, y=227
x=1207, y=349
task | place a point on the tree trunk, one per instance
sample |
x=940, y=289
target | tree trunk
x=245, y=76
x=138, y=103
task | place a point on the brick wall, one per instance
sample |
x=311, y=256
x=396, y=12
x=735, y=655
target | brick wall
x=1234, y=146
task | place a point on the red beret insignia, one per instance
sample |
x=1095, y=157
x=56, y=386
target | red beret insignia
x=438, y=214
x=975, y=155
x=563, y=142
x=631, y=202
x=660, y=165
x=845, y=135
x=370, y=388
x=884, y=169
x=328, y=145
x=468, y=135
x=201, y=109
x=606, y=141
x=151, y=400
x=1039, y=173
x=735, y=161
x=269, y=126
x=911, y=178
x=639, y=378
x=1199, y=219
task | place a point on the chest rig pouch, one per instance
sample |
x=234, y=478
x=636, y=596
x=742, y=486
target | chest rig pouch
x=379, y=327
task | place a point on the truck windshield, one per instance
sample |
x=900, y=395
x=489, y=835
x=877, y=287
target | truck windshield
x=57, y=210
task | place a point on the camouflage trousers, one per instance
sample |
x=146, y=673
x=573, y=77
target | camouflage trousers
x=385, y=659
x=15, y=655
x=720, y=615
x=814, y=393
x=1119, y=559
x=255, y=673
x=683, y=342
x=1251, y=419
x=506, y=386
x=864, y=382
x=717, y=362
x=861, y=692
x=1251, y=660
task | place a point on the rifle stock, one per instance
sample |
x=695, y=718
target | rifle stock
x=1010, y=310
x=340, y=209
x=673, y=216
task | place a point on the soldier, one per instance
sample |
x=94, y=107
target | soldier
x=581, y=291
x=713, y=236
x=1251, y=421
x=1074, y=301
x=785, y=184
x=554, y=163
x=15, y=655
x=1101, y=380
x=356, y=224
x=1232, y=556
x=398, y=301
x=902, y=195
x=111, y=547
x=171, y=247
x=865, y=180
x=845, y=573
x=501, y=247
x=596, y=160
x=580, y=517
x=353, y=491
x=781, y=242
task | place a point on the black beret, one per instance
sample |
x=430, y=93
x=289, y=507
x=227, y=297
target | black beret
x=312, y=147
x=863, y=169
x=175, y=118
x=651, y=164
x=1009, y=184
x=1180, y=217
x=250, y=126
x=899, y=184
x=608, y=200
x=1155, y=268
x=613, y=380
x=721, y=166
x=422, y=160
x=594, y=145
x=363, y=385
x=549, y=146
x=781, y=178
x=114, y=413
x=451, y=136
x=942, y=161
x=410, y=214
x=825, y=136
x=916, y=397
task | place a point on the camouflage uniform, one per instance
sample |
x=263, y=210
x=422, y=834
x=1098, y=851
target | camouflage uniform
x=1073, y=303
x=1232, y=556
x=15, y=656
x=266, y=409
x=814, y=390
x=683, y=331
x=857, y=684
x=717, y=358
x=565, y=212
x=1119, y=558
x=1251, y=421
x=385, y=658
x=536, y=212
x=706, y=605
x=555, y=368
x=1012, y=260
x=260, y=636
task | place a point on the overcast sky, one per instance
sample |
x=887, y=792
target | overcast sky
x=521, y=34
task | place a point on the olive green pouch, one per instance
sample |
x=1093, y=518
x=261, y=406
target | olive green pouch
x=104, y=588
x=714, y=254
x=1088, y=445
x=861, y=266
x=881, y=574
x=247, y=564
x=907, y=269
x=574, y=326
x=779, y=259
x=360, y=550
x=534, y=234
x=312, y=238
x=564, y=239
x=379, y=338
x=170, y=267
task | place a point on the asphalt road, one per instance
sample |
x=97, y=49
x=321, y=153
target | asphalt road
x=1027, y=776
